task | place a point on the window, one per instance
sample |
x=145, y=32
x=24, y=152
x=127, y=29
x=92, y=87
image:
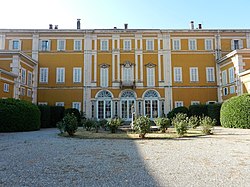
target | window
x=194, y=77
x=116, y=108
x=23, y=76
x=104, y=77
x=225, y=91
x=42, y=103
x=60, y=75
x=208, y=44
x=104, y=105
x=236, y=44
x=177, y=74
x=29, y=78
x=231, y=74
x=61, y=45
x=59, y=103
x=76, y=105
x=232, y=89
x=45, y=45
x=29, y=92
x=77, y=75
x=192, y=44
x=176, y=44
x=139, y=108
x=224, y=77
x=127, y=45
x=178, y=104
x=16, y=45
x=22, y=91
x=150, y=45
x=44, y=75
x=150, y=76
x=104, y=45
x=210, y=74
x=195, y=102
x=77, y=45
x=151, y=104
x=127, y=74
x=6, y=87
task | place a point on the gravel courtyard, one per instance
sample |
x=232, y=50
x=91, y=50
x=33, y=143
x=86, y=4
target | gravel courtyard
x=42, y=158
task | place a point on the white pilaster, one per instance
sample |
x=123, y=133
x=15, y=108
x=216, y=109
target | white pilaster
x=2, y=41
x=35, y=55
x=248, y=40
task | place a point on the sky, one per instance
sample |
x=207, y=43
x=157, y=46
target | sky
x=139, y=14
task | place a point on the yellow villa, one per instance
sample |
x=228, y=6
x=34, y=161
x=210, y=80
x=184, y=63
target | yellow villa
x=110, y=72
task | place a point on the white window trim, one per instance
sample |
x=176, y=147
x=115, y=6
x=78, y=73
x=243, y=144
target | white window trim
x=102, y=47
x=124, y=46
x=225, y=91
x=76, y=103
x=22, y=91
x=6, y=87
x=176, y=103
x=11, y=44
x=179, y=46
x=41, y=47
x=42, y=103
x=75, y=48
x=46, y=77
x=240, y=43
x=232, y=89
x=207, y=74
x=75, y=80
x=59, y=104
x=104, y=82
x=150, y=83
x=29, y=92
x=23, y=79
x=195, y=102
x=30, y=80
x=58, y=45
x=196, y=75
x=231, y=75
x=175, y=77
x=57, y=75
x=206, y=47
x=224, y=77
x=147, y=44
x=190, y=46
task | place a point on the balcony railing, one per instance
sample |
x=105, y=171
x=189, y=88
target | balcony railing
x=127, y=84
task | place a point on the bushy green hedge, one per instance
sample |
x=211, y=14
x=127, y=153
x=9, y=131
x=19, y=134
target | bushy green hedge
x=213, y=111
x=18, y=115
x=177, y=110
x=56, y=115
x=198, y=110
x=235, y=112
x=45, y=115
x=75, y=112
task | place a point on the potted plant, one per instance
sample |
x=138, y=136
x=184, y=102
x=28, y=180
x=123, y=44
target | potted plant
x=163, y=123
x=70, y=124
x=142, y=125
x=113, y=124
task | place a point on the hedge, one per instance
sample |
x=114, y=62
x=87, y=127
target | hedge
x=235, y=112
x=45, y=115
x=75, y=112
x=18, y=115
x=213, y=111
x=198, y=110
x=177, y=110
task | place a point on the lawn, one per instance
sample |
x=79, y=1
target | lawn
x=128, y=134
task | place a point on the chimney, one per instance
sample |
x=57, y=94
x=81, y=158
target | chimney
x=56, y=27
x=125, y=26
x=199, y=26
x=78, y=23
x=50, y=26
x=192, y=25
x=115, y=28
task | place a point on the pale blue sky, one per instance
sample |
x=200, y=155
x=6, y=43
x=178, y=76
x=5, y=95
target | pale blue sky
x=139, y=14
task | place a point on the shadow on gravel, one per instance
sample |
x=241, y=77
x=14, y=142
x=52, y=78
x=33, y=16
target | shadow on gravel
x=45, y=159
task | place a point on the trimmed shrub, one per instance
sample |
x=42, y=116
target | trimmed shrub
x=18, y=115
x=213, y=111
x=235, y=112
x=198, y=110
x=75, y=112
x=103, y=123
x=182, y=109
x=89, y=124
x=45, y=115
x=194, y=122
x=70, y=124
x=180, y=122
x=142, y=125
x=113, y=124
x=56, y=115
x=163, y=123
x=207, y=124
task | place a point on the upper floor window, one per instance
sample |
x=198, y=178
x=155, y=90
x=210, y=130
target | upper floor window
x=177, y=74
x=210, y=74
x=231, y=74
x=29, y=78
x=29, y=92
x=6, y=87
x=224, y=77
x=236, y=44
x=192, y=44
x=104, y=76
x=208, y=44
x=150, y=45
x=45, y=45
x=23, y=76
x=194, y=77
x=127, y=45
x=176, y=44
x=150, y=76
x=77, y=75
x=44, y=75
x=61, y=45
x=14, y=45
x=77, y=45
x=60, y=75
x=104, y=45
x=232, y=89
x=22, y=92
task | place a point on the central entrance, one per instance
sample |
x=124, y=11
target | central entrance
x=128, y=99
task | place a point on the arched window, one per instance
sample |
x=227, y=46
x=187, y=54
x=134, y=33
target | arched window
x=104, y=104
x=151, y=104
x=127, y=104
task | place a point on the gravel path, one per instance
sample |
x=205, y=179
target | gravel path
x=42, y=158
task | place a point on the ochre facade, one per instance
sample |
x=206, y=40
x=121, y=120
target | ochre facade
x=114, y=72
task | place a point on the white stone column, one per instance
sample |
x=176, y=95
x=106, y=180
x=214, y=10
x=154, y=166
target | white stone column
x=35, y=56
x=2, y=41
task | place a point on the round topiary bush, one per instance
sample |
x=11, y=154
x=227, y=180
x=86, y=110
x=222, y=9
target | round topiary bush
x=18, y=115
x=181, y=109
x=235, y=112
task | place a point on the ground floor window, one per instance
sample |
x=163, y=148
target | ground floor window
x=151, y=104
x=104, y=104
